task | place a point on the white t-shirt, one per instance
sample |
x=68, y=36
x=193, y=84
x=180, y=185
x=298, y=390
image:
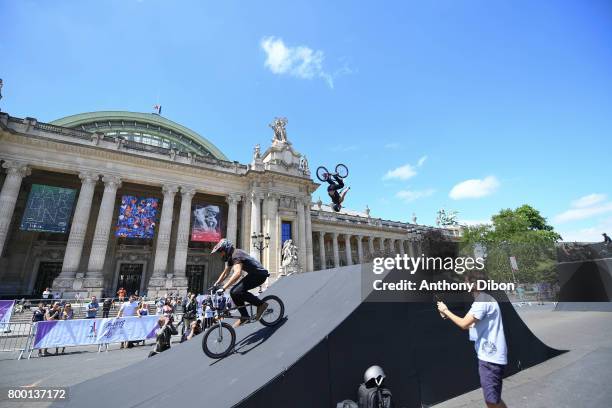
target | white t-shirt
x=488, y=333
x=209, y=313
x=128, y=309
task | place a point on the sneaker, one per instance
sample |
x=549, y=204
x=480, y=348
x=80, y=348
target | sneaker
x=260, y=310
x=239, y=322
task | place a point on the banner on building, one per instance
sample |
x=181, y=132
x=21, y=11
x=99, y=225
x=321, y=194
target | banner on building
x=137, y=217
x=82, y=332
x=48, y=209
x=206, y=223
x=6, y=310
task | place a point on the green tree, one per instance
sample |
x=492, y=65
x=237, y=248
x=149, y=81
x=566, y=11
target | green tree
x=522, y=233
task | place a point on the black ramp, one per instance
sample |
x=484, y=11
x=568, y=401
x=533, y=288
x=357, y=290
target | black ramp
x=318, y=355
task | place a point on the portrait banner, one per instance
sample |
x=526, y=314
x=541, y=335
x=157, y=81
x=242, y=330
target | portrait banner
x=48, y=209
x=137, y=217
x=206, y=223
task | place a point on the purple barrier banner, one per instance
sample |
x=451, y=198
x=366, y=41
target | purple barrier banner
x=6, y=310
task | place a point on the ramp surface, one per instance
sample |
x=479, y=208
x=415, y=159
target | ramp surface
x=317, y=356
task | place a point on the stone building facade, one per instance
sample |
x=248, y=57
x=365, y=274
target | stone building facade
x=104, y=156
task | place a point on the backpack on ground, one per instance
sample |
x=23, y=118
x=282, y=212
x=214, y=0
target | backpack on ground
x=374, y=397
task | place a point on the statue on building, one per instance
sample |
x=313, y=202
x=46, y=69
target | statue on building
x=256, y=152
x=289, y=255
x=445, y=219
x=414, y=218
x=304, y=164
x=280, y=134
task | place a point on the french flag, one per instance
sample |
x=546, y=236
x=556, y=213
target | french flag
x=157, y=109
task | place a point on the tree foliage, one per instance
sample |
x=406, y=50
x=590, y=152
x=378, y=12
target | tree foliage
x=522, y=233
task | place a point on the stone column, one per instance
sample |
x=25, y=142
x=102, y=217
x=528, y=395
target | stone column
x=182, y=233
x=301, y=218
x=336, y=252
x=15, y=172
x=347, y=249
x=255, y=222
x=273, y=250
x=160, y=264
x=401, y=247
x=309, y=250
x=97, y=256
x=412, y=249
x=382, y=245
x=322, y=249
x=80, y=219
x=245, y=223
x=360, y=249
x=232, y=217
x=371, y=245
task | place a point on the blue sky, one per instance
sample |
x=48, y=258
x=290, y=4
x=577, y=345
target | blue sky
x=472, y=106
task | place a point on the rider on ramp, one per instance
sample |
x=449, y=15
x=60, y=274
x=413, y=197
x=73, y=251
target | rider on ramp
x=256, y=275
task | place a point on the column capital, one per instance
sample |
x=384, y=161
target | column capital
x=306, y=201
x=88, y=177
x=335, y=235
x=273, y=196
x=111, y=182
x=233, y=198
x=169, y=189
x=15, y=167
x=359, y=237
x=322, y=233
x=188, y=191
x=347, y=236
x=256, y=195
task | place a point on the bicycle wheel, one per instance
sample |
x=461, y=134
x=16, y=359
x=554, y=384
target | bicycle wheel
x=342, y=170
x=219, y=340
x=322, y=173
x=275, y=311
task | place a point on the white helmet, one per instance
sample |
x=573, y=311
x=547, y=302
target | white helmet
x=374, y=376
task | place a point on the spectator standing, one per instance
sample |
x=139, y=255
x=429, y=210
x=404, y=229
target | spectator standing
x=159, y=306
x=92, y=308
x=168, y=310
x=128, y=309
x=53, y=313
x=190, y=312
x=38, y=316
x=46, y=294
x=163, y=335
x=121, y=294
x=607, y=240
x=106, y=307
x=208, y=313
x=67, y=314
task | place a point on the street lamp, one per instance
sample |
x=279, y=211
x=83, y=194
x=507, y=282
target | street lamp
x=260, y=242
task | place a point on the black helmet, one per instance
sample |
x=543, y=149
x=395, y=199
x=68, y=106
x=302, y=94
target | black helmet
x=226, y=246
x=337, y=207
x=374, y=376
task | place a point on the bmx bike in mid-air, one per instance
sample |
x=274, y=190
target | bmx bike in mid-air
x=220, y=338
x=323, y=174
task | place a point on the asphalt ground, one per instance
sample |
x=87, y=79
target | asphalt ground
x=578, y=378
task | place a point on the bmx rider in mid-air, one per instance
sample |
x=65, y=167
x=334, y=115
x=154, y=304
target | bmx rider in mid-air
x=336, y=184
x=256, y=275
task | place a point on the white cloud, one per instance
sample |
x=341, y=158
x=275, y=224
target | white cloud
x=421, y=161
x=474, y=188
x=300, y=61
x=588, y=200
x=590, y=234
x=403, y=173
x=575, y=214
x=393, y=145
x=410, y=195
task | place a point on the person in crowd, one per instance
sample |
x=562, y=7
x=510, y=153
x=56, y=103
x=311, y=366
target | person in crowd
x=190, y=312
x=92, y=308
x=163, y=335
x=38, y=316
x=168, y=310
x=46, y=294
x=67, y=314
x=128, y=309
x=106, y=307
x=121, y=294
x=209, y=314
x=194, y=329
x=486, y=328
x=143, y=309
x=53, y=313
x=159, y=306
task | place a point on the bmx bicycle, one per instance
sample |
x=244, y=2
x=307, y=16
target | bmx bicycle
x=323, y=174
x=220, y=338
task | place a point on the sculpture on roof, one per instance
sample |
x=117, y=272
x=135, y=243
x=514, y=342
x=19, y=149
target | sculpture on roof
x=280, y=133
x=445, y=219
